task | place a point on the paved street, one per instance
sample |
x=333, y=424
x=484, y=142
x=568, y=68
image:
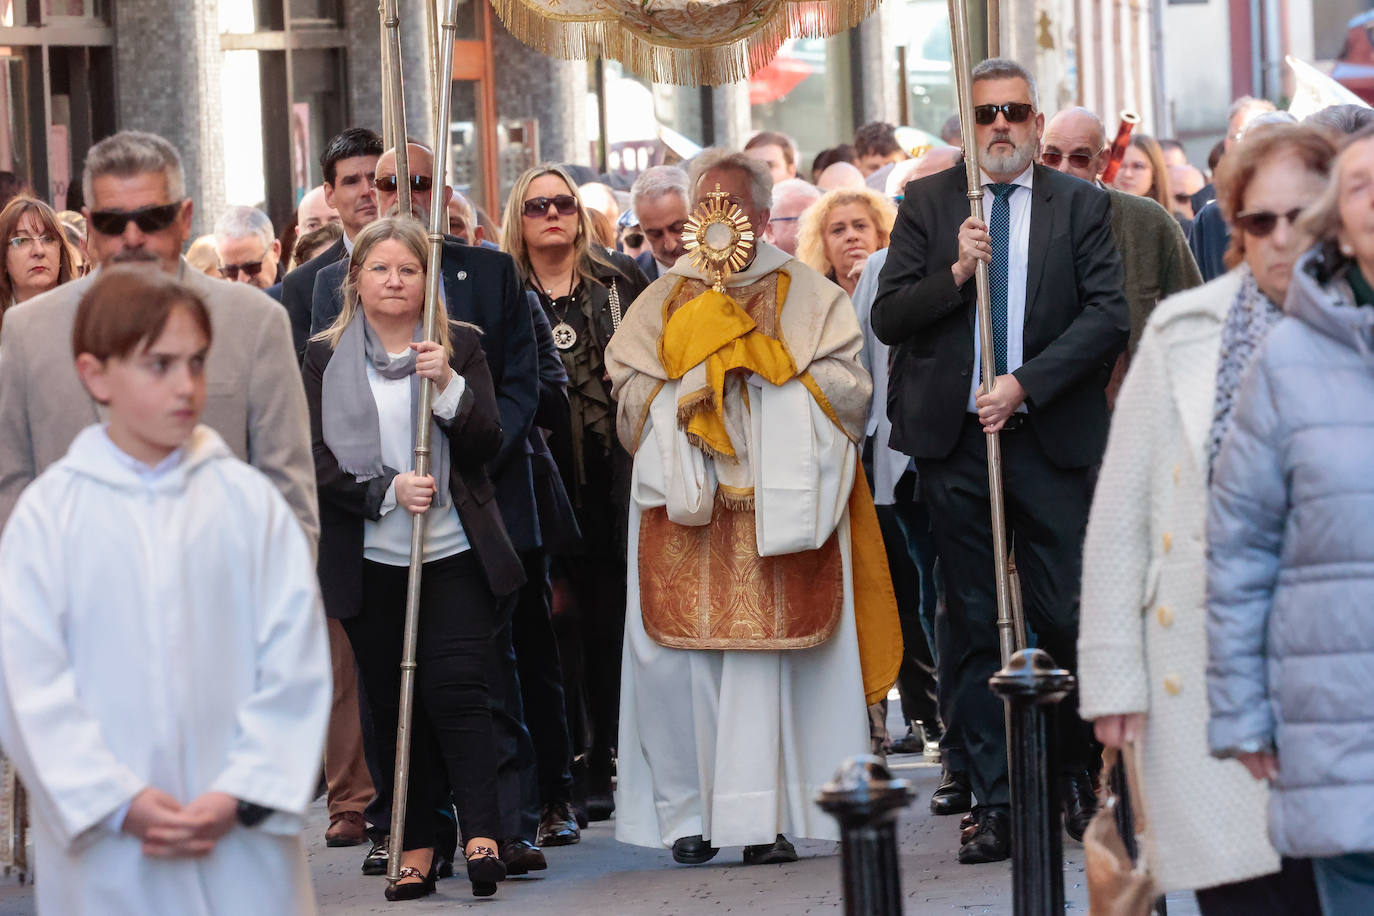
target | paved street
x=600, y=877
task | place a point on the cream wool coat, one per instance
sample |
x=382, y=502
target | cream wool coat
x=1142, y=644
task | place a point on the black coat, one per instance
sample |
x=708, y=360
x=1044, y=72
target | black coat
x=481, y=287
x=474, y=436
x=1076, y=318
x=298, y=288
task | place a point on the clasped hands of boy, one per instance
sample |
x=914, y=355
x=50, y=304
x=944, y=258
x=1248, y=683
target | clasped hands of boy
x=171, y=830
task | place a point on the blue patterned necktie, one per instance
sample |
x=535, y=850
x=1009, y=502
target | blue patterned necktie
x=999, y=226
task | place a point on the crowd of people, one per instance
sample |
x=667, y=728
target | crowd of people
x=682, y=532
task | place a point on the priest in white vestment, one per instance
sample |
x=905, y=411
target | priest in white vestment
x=742, y=683
x=161, y=628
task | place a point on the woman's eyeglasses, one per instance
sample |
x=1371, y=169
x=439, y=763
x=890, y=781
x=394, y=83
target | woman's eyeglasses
x=1016, y=112
x=418, y=183
x=536, y=207
x=1052, y=158
x=20, y=242
x=1260, y=223
x=148, y=219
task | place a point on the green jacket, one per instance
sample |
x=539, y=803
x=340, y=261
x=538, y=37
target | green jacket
x=1154, y=255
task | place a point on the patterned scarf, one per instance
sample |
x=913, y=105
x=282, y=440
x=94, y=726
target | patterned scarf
x=1248, y=322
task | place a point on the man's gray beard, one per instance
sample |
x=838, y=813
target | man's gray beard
x=1013, y=163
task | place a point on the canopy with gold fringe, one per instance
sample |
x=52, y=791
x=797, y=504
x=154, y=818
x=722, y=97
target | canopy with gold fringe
x=683, y=42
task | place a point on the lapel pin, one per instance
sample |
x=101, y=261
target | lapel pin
x=462, y=275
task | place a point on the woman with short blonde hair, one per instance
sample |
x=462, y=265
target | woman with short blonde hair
x=839, y=232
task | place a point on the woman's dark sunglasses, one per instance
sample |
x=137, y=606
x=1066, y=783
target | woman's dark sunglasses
x=418, y=183
x=1052, y=158
x=1260, y=223
x=536, y=207
x=633, y=239
x=148, y=219
x=231, y=271
x=1016, y=112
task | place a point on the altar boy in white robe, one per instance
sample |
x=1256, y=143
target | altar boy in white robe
x=164, y=670
x=748, y=663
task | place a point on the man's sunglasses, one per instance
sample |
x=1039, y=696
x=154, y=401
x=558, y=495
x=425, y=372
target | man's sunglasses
x=1016, y=112
x=536, y=207
x=1260, y=223
x=148, y=219
x=251, y=268
x=1052, y=158
x=419, y=184
x=1181, y=198
x=633, y=239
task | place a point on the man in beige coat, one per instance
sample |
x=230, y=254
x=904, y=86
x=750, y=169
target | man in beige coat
x=138, y=213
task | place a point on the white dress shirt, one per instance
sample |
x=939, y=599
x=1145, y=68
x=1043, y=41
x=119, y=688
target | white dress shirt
x=387, y=540
x=1018, y=256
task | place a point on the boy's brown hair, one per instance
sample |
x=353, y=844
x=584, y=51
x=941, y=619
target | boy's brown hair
x=127, y=307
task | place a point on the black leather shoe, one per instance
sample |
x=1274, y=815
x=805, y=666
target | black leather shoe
x=557, y=827
x=775, y=853
x=600, y=807
x=1080, y=802
x=485, y=871
x=522, y=857
x=953, y=795
x=374, y=863
x=417, y=884
x=693, y=850
x=989, y=839
x=910, y=743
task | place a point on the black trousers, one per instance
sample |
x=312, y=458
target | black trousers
x=590, y=623
x=1047, y=514
x=1291, y=891
x=451, y=725
x=916, y=677
x=541, y=681
x=517, y=775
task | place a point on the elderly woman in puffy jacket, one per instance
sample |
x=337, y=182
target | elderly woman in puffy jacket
x=1290, y=571
x=1142, y=650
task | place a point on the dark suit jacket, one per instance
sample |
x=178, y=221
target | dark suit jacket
x=481, y=288
x=1211, y=238
x=298, y=288
x=557, y=522
x=646, y=263
x=474, y=436
x=1076, y=318
x=274, y=291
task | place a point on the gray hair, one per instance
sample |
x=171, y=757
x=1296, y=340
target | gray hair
x=796, y=188
x=717, y=157
x=1248, y=102
x=242, y=222
x=659, y=181
x=1002, y=68
x=130, y=153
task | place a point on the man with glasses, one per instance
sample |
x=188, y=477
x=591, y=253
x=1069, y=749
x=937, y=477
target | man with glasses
x=249, y=251
x=659, y=199
x=1059, y=321
x=1155, y=258
x=791, y=198
x=349, y=162
x=138, y=214
x=481, y=287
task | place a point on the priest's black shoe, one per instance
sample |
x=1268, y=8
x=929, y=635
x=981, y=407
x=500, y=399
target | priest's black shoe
x=989, y=839
x=557, y=827
x=522, y=857
x=1080, y=802
x=953, y=795
x=693, y=850
x=775, y=853
x=374, y=863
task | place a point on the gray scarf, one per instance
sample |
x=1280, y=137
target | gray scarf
x=348, y=411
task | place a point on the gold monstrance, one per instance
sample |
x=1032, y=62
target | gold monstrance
x=718, y=238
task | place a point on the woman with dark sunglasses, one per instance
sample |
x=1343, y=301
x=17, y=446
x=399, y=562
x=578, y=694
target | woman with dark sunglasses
x=1143, y=633
x=585, y=289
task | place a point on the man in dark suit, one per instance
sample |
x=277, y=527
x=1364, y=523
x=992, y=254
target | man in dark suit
x=481, y=287
x=348, y=162
x=1059, y=320
x=659, y=201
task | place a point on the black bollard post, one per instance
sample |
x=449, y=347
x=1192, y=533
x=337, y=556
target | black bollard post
x=1031, y=684
x=865, y=798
